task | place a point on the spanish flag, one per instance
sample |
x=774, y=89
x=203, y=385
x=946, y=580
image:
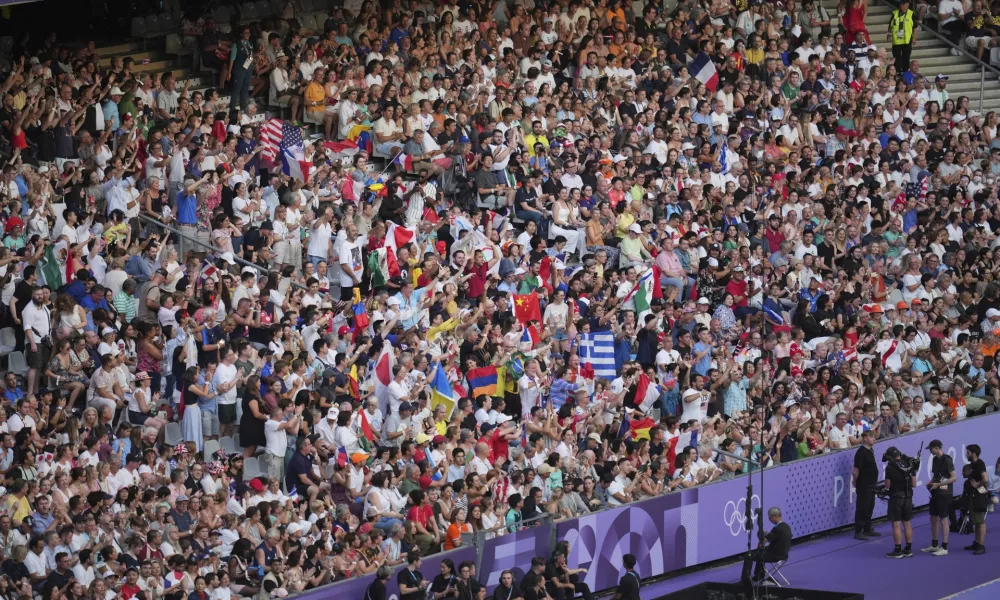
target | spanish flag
x=640, y=428
x=352, y=379
x=483, y=381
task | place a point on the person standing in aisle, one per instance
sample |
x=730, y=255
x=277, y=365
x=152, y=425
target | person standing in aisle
x=903, y=35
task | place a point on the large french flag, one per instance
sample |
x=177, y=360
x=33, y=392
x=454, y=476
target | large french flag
x=294, y=164
x=703, y=69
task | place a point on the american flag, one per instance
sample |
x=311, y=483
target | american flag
x=277, y=135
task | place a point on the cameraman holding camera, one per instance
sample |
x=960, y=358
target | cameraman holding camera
x=943, y=476
x=899, y=481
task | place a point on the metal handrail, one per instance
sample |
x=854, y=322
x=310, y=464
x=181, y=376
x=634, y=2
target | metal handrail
x=213, y=249
x=983, y=66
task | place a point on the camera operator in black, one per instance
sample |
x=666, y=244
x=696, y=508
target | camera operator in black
x=864, y=476
x=940, y=487
x=979, y=497
x=899, y=480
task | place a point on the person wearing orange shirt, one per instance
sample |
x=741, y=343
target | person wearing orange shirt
x=956, y=404
x=453, y=539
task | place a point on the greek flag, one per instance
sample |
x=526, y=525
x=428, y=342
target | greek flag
x=724, y=157
x=598, y=349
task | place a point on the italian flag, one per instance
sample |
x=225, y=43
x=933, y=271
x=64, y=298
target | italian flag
x=645, y=290
x=646, y=393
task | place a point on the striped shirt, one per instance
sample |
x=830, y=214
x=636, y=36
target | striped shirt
x=125, y=305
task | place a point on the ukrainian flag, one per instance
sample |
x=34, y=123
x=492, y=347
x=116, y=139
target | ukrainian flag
x=442, y=392
x=483, y=381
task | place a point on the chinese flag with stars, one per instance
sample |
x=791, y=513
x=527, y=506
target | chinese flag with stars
x=526, y=308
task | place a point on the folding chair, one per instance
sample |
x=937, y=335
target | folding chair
x=774, y=573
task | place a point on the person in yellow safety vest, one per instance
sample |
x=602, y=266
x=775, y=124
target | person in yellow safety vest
x=903, y=35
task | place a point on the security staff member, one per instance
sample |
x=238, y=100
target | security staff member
x=903, y=35
x=979, y=498
x=864, y=476
x=900, y=484
x=942, y=477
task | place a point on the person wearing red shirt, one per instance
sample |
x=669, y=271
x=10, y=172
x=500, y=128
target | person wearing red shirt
x=773, y=234
x=422, y=514
x=741, y=292
x=480, y=271
x=131, y=586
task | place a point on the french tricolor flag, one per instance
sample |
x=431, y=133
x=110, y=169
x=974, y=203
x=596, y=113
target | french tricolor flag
x=703, y=69
x=405, y=161
x=294, y=164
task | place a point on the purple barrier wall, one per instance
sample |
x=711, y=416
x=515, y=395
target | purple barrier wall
x=513, y=551
x=355, y=588
x=706, y=523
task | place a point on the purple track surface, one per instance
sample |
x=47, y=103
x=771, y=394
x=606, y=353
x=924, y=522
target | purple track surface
x=841, y=563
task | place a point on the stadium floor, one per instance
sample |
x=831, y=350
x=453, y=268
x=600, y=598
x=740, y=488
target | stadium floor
x=841, y=563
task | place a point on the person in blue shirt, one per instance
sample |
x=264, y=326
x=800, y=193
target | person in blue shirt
x=78, y=287
x=703, y=351
x=95, y=299
x=561, y=388
x=187, y=211
x=811, y=294
x=110, y=108
x=13, y=392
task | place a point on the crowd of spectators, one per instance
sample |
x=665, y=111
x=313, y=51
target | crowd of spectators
x=232, y=375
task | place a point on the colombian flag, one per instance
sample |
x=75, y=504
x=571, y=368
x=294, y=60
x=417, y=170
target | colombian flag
x=360, y=315
x=483, y=381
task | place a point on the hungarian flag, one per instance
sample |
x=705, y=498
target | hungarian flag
x=383, y=376
x=404, y=161
x=646, y=393
x=366, y=428
x=382, y=264
x=526, y=307
x=396, y=237
x=645, y=290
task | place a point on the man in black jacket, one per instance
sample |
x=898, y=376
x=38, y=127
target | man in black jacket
x=863, y=477
x=779, y=542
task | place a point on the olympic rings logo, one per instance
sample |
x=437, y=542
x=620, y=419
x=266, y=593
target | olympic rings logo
x=734, y=514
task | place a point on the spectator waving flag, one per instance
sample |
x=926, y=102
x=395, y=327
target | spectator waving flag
x=404, y=162
x=646, y=393
x=704, y=71
x=526, y=307
x=483, y=381
x=441, y=391
x=645, y=290
x=598, y=349
x=724, y=158
x=294, y=163
x=383, y=376
x=277, y=135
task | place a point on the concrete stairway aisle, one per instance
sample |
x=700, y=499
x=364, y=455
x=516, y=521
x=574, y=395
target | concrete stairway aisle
x=934, y=56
